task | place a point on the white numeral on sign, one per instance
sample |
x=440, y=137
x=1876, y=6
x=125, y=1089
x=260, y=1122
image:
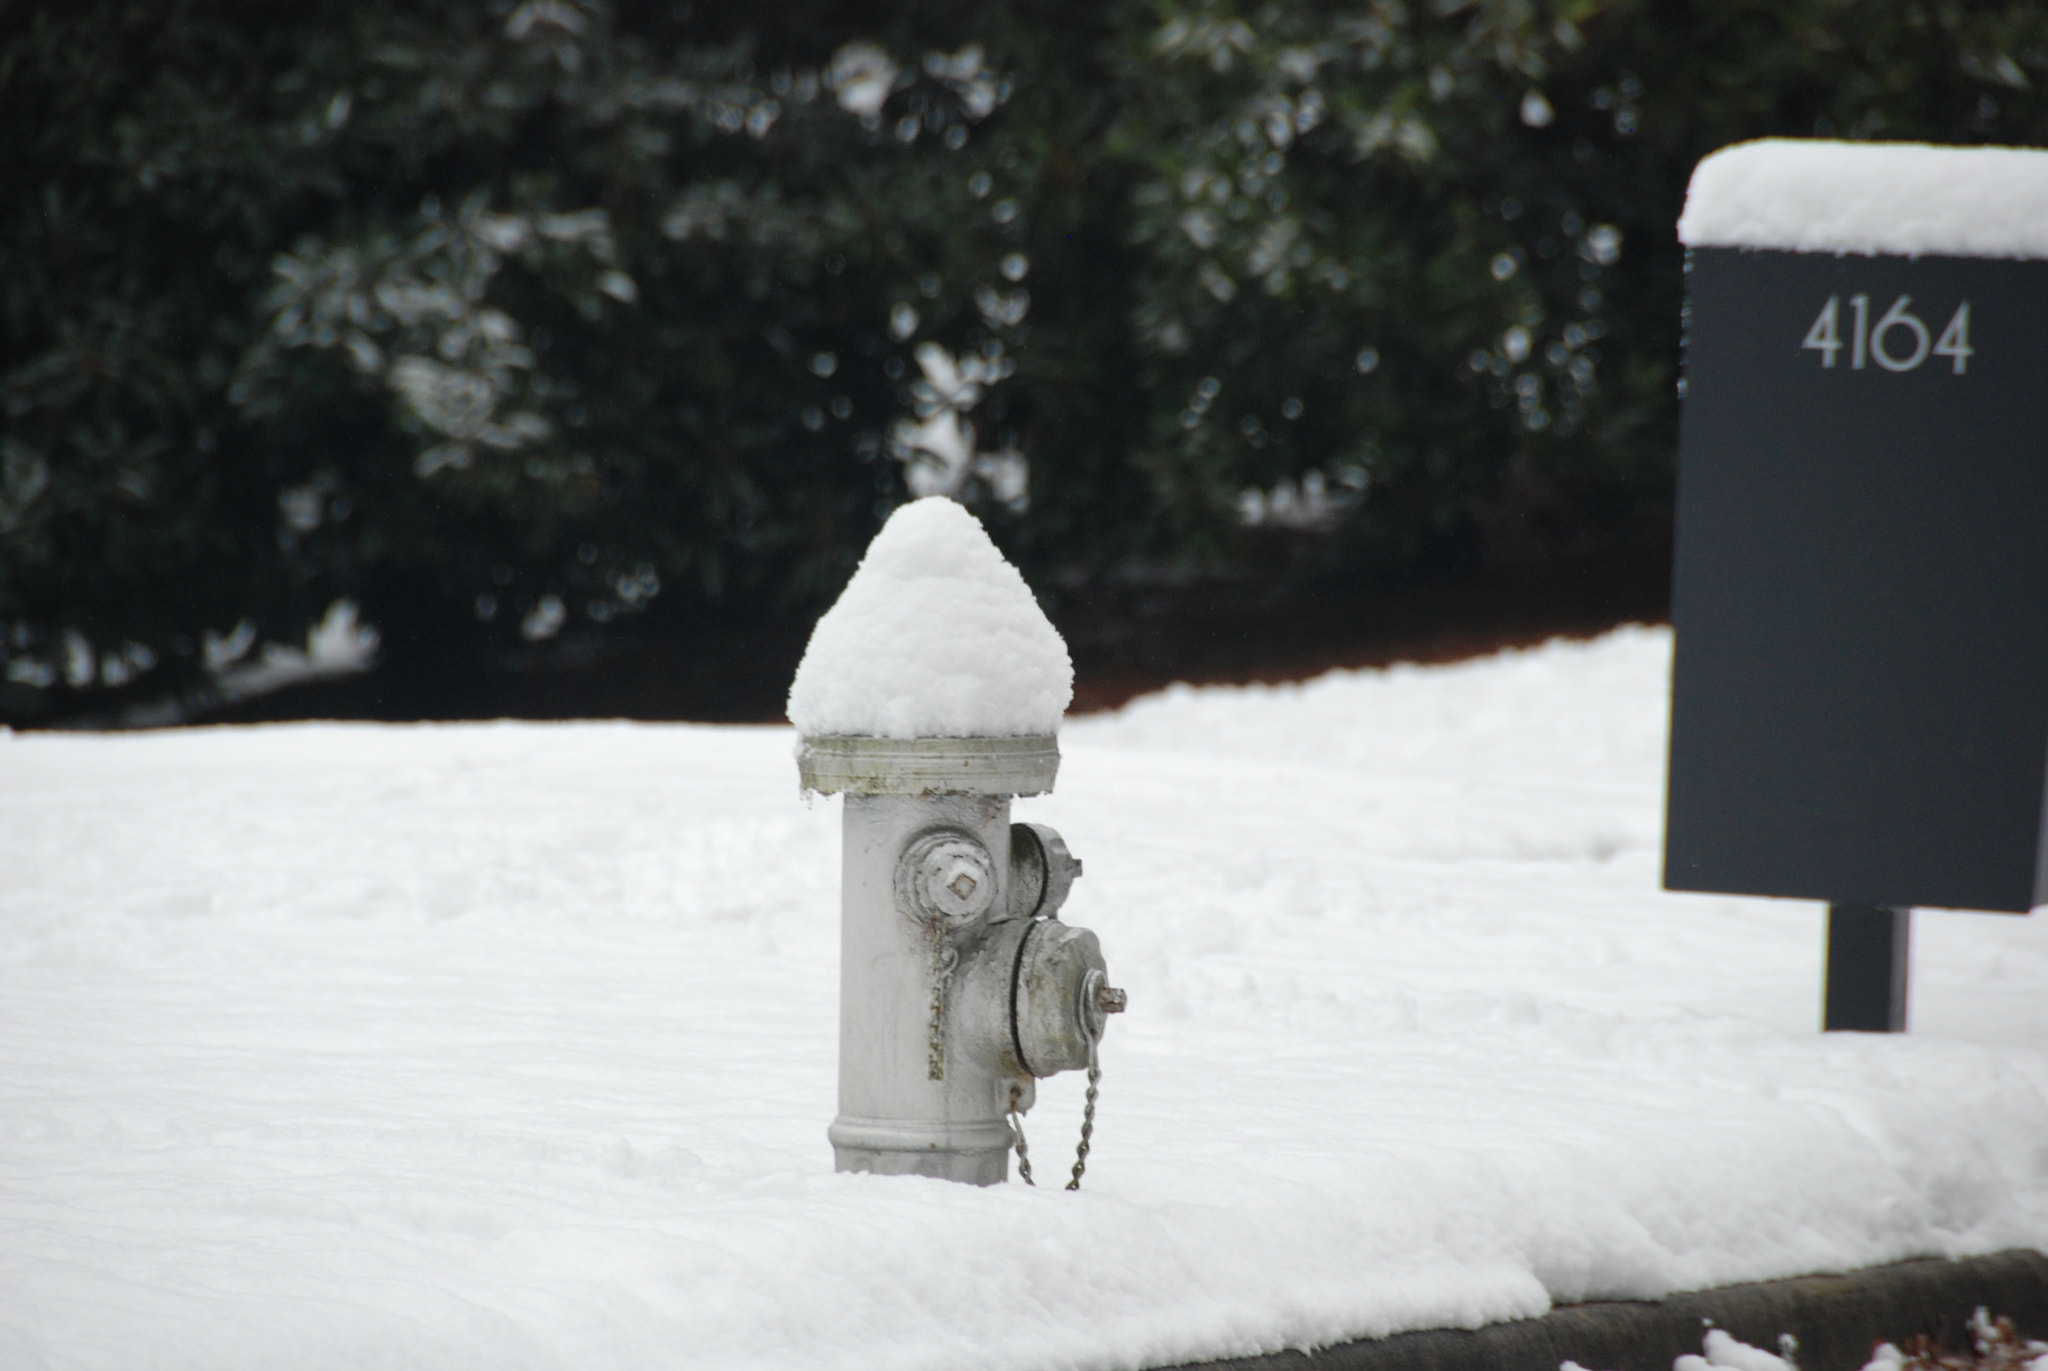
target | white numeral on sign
x=1896, y=317
x=1955, y=339
x=1885, y=342
x=1824, y=335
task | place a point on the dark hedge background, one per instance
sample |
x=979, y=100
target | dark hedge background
x=584, y=345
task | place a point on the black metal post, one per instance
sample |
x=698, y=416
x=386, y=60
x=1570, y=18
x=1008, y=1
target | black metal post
x=1868, y=952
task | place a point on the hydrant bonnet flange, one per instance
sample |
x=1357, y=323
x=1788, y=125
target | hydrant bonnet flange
x=928, y=766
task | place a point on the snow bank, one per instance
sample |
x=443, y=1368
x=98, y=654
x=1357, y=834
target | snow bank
x=332, y=1046
x=936, y=636
x=1908, y=199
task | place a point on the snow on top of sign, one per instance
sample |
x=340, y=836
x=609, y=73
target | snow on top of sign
x=936, y=636
x=1905, y=199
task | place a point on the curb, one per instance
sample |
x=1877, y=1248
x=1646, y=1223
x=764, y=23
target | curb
x=1837, y=1320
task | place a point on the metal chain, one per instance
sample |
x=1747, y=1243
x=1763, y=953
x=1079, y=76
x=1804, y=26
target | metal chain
x=1023, y=1149
x=1087, y=1116
x=1087, y=1121
x=1087, y=1126
x=944, y=958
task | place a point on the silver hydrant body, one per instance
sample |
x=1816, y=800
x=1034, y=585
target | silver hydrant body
x=958, y=987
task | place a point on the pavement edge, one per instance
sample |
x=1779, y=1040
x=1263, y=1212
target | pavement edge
x=1837, y=1320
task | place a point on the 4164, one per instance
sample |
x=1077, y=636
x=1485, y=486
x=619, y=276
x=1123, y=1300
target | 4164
x=1898, y=341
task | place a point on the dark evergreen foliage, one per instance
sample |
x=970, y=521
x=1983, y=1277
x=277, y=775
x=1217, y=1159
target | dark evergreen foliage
x=477, y=312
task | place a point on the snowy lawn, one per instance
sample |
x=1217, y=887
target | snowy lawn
x=511, y=1046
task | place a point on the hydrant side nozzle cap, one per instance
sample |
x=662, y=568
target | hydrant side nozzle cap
x=1044, y=871
x=854, y=765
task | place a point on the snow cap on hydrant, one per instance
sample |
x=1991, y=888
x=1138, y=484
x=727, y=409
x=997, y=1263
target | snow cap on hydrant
x=936, y=636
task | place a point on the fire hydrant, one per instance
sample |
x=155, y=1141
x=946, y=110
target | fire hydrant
x=927, y=699
x=958, y=985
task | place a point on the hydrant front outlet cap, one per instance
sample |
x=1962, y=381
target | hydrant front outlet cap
x=947, y=877
x=1058, y=1015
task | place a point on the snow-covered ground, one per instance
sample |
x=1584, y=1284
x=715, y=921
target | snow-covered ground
x=511, y=1046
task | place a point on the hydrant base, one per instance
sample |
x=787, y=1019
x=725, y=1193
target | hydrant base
x=974, y=1168
x=977, y=1153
